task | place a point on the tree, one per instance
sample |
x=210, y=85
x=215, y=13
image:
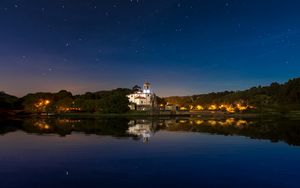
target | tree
x=8, y=101
x=116, y=103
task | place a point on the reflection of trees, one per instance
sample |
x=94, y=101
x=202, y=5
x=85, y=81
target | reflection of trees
x=274, y=130
x=7, y=126
x=114, y=127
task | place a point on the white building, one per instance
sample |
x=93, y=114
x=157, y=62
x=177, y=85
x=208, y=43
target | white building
x=142, y=99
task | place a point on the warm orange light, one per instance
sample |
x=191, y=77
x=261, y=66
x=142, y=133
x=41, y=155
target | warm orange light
x=241, y=107
x=228, y=121
x=241, y=123
x=199, y=122
x=199, y=107
x=183, y=108
x=42, y=104
x=182, y=121
x=212, y=122
x=42, y=125
x=212, y=107
x=230, y=109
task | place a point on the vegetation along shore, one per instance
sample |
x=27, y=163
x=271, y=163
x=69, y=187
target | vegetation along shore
x=275, y=99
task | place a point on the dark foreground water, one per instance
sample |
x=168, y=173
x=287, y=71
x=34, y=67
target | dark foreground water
x=191, y=152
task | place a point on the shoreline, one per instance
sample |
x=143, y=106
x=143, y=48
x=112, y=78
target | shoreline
x=4, y=114
x=137, y=114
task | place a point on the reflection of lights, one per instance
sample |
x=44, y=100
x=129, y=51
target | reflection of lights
x=42, y=125
x=228, y=121
x=182, y=121
x=241, y=123
x=66, y=121
x=212, y=122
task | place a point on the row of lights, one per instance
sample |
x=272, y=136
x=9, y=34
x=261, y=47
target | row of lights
x=228, y=107
x=43, y=103
x=227, y=122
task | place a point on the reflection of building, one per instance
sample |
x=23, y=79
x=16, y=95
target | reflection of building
x=141, y=128
x=142, y=99
x=41, y=124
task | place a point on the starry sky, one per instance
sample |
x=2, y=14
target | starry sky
x=181, y=47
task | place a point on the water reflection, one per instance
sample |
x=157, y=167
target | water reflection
x=144, y=129
x=212, y=122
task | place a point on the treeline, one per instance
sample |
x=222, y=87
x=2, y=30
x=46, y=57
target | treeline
x=8, y=101
x=280, y=97
x=114, y=101
x=276, y=97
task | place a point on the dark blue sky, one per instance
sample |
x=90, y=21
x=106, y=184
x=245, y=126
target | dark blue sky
x=181, y=47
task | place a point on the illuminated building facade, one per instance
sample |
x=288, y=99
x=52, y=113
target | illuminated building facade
x=142, y=99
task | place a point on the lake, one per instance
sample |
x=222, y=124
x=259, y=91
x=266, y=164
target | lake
x=150, y=152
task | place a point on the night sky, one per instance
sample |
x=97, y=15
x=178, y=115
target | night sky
x=180, y=47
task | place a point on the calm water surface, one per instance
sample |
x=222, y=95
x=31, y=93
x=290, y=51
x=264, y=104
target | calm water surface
x=185, y=152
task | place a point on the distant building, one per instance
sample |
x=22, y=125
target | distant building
x=171, y=107
x=142, y=99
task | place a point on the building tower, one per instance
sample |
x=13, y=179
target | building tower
x=146, y=88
